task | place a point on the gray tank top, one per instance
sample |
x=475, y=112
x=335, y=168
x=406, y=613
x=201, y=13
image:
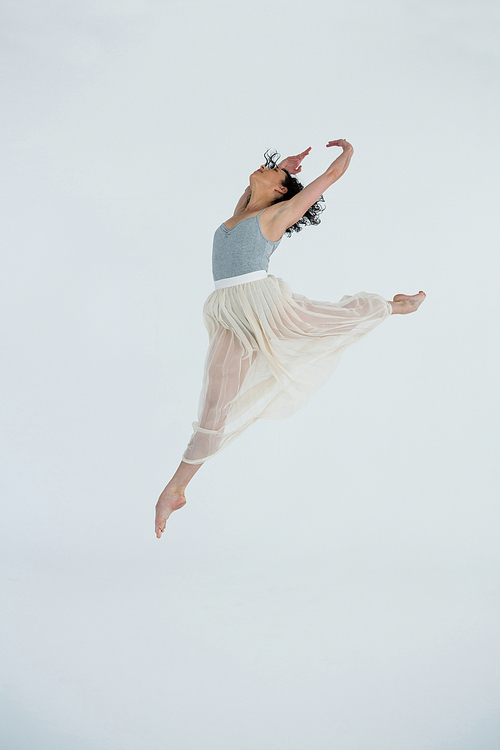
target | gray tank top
x=242, y=249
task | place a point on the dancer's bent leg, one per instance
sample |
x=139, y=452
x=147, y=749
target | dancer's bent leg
x=225, y=370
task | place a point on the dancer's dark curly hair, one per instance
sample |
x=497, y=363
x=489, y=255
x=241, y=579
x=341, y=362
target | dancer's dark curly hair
x=293, y=186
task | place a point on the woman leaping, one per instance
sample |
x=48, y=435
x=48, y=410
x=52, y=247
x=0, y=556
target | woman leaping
x=270, y=349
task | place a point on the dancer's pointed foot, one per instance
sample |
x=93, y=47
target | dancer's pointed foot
x=407, y=303
x=170, y=499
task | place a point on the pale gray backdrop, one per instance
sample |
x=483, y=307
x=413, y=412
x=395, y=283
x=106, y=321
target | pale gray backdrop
x=333, y=581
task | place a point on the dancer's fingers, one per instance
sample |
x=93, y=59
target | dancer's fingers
x=339, y=142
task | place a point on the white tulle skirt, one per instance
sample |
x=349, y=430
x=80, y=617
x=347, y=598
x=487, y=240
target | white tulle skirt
x=269, y=351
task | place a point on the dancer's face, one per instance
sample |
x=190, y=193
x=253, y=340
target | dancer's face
x=271, y=178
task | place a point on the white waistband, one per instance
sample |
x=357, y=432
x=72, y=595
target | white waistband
x=254, y=276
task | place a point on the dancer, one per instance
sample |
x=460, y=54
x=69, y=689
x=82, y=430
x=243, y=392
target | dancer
x=270, y=349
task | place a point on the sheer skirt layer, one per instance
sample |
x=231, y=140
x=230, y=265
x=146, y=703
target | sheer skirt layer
x=269, y=351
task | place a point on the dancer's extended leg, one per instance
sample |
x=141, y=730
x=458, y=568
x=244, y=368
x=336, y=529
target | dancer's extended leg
x=225, y=370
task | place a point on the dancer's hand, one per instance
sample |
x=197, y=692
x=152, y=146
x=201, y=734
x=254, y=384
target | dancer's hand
x=292, y=163
x=344, y=145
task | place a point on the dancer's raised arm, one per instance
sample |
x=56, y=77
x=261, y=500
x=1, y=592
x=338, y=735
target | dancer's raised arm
x=289, y=212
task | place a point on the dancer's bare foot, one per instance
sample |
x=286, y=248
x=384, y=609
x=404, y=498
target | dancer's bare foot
x=407, y=303
x=172, y=498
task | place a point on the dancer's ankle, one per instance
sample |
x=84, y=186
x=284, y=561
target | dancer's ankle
x=175, y=489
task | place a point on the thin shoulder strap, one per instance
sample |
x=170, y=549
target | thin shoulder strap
x=264, y=209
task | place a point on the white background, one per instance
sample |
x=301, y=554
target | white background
x=333, y=579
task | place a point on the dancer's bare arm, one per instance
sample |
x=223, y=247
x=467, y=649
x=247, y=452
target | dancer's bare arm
x=289, y=212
